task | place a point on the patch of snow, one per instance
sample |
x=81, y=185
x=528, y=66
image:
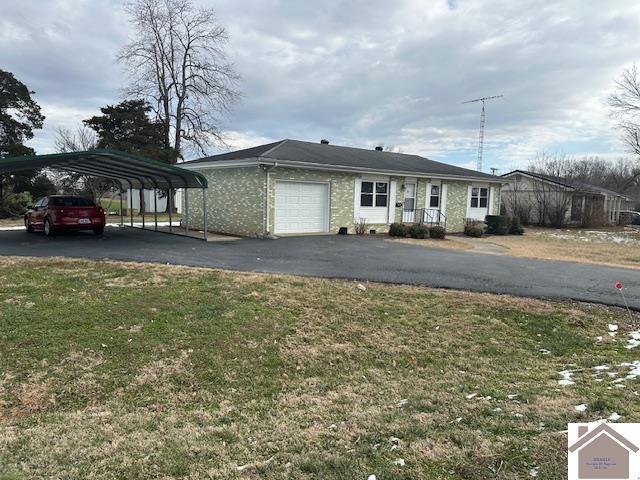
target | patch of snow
x=470, y=396
x=333, y=427
x=581, y=408
x=402, y=403
x=614, y=417
x=544, y=351
x=601, y=367
x=599, y=338
x=399, y=462
x=634, y=369
x=362, y=287
x=497, y=409
x=534, y=472
x=634, y=341
x=371, y=477
x=566, y=378
x=518, y=415
x=613, y=327
x=511, y=396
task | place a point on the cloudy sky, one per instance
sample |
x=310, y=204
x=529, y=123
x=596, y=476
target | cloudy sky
x=364, y=72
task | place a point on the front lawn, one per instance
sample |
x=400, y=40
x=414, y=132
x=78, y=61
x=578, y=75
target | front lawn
x=113, y=370
x=618, y=246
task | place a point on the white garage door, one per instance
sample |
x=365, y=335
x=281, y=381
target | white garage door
x=302, y=207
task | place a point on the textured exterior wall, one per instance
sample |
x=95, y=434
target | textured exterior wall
x=456, y=205
x=235, y=201
x=495, y=202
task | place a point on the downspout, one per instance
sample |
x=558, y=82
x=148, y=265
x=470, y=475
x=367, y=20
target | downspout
x=265, y=223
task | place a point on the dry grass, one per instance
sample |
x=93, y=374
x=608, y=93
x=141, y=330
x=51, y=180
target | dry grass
x=193, y=373
x=434, y=243
x=575, y=245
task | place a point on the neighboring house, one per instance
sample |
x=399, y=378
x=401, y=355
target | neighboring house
x=294, y=187
x=132, y=200
x=602, y=453
x=546, y=199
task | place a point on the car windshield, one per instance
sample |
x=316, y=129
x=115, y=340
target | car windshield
x=72, y=202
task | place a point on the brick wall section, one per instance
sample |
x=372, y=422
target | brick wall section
x=235, y=201
x=495, y=203
x=456, y=210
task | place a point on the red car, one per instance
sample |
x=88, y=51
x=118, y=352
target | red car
x=64, y=212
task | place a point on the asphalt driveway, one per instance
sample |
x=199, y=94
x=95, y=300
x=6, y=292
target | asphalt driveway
x=358, y=258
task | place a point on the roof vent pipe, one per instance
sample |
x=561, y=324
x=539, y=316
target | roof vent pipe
x=324, y=141
x=379, y=148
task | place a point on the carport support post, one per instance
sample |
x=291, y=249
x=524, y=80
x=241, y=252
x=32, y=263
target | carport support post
x=170, y=200
x=143, y=205
x=155, y=206
x=131, y=204
x=121, y=206
x=204, y=212
x=186, y=210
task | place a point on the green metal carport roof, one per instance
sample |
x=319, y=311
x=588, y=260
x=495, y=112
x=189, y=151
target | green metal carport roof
x=130, y=170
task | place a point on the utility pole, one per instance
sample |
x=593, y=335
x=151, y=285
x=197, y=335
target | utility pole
x=481, y=137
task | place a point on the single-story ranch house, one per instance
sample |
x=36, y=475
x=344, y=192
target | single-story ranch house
x=547, y=199
x=295, y=187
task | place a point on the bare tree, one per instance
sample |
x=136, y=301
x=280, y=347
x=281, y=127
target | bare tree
x=625, y=106
x=80, y=140
x=177, y=62
x=551, y=196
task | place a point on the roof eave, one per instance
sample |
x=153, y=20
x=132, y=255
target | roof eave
x=337, y=168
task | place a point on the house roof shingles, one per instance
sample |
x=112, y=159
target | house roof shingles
x=346, y=157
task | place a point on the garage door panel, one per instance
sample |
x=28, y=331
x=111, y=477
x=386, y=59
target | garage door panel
x=301, y=207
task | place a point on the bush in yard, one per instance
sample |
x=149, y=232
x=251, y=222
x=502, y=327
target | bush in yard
x=473, y=231
x=437, y=231
x=398, y=230
x=360, y=227
x=516, y=227
x=15, y=204
x=498, y=224
x=418, y=231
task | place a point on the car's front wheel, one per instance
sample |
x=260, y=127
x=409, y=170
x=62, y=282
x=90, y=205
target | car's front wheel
x=27, y=225
x=48, y=230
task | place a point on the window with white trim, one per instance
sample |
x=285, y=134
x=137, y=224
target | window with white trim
x=479, y=197
x=374, y=194
x=434, y=196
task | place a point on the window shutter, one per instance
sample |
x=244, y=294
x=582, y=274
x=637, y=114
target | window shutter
x=356, y=200
x=443, y=198
x=391, y=211
x=427, y=196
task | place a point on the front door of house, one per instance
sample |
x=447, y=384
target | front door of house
x=409, y=210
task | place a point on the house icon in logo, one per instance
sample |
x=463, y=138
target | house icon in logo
x=602, y=453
